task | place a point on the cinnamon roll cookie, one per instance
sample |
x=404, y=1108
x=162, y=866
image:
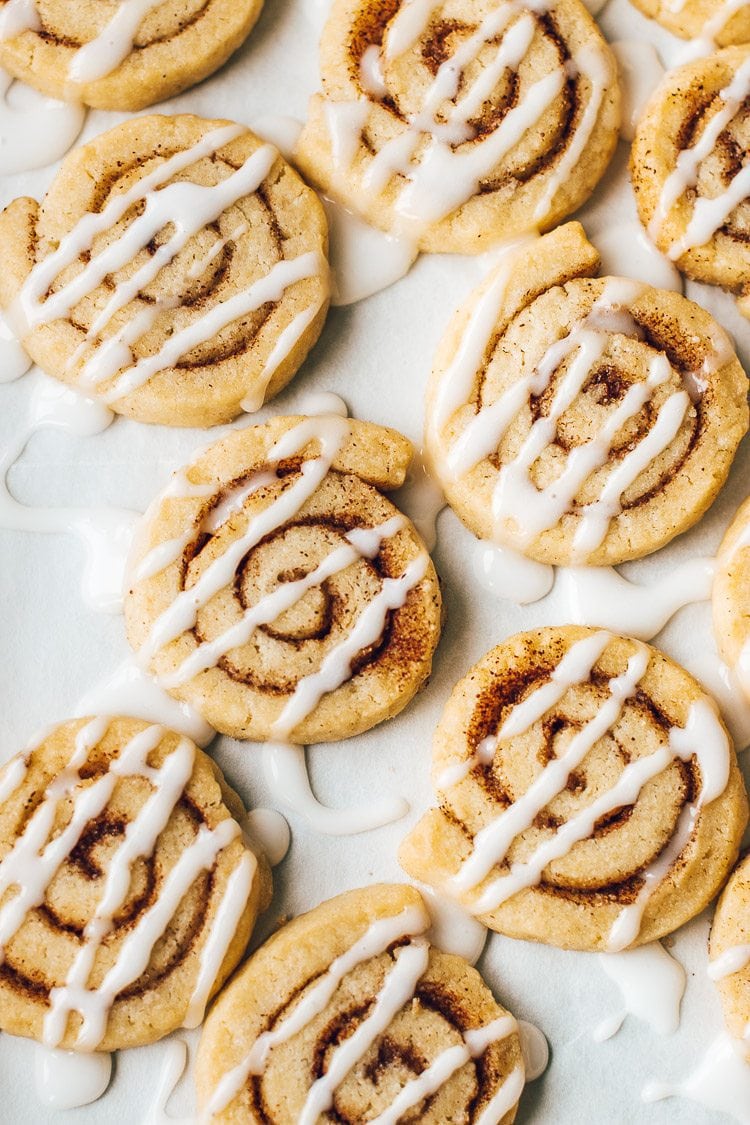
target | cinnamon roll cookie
x=720, y=22
x=730, y=600
x=729, y=949
x=689, y=175
x=127, y=893
x=116, y=55
x=348, y=1014
x=175, y=269
x=276, y=589
x=459, y=124
x=589, y=793
x=581, y=419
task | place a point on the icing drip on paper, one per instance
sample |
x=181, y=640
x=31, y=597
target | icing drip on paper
x=69, y=1079
x=409, y=964
x=286, y=773
x=708, y=215
x=267, y=831
x=534, y=1048
x=625, y=248
x=641, y=71
x=421, y=499
x=702, y=738
x=509, y=574
x=442, y=171
x=105, y=533
x=14, y=361
x=453, y=929
x=719, y=1081
x=34, y=130
x=364, y=260
x=651, y=983
x=175, y=1064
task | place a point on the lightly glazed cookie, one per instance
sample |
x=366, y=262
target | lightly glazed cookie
x=729, y=949
x=589, y=793
x=459, y=124
x=580, y=419
x=176, y=270
x=721, y=22
x=689, y=177
x=729, y=597
x=277, y=590
x=120, y=55
x=127, y=892
x=348, y=1014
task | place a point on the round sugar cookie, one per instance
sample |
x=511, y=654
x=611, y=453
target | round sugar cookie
x=348, y=1014
x=460, y=124
x=722, y=22
x=589, y=793
x=580, y=419
x=176, y=270
x=277, y=590
x=729, y=950
x=115, y=55
x=127, y=892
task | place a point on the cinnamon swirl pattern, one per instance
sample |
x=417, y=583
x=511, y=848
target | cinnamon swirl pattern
x=278, y=591
x=715, y=22
x=581, y=419
x=116, y=55
x=589, y=794
x=729, y=949
x=347, y=1014
x=127, y=893
x=730, y=600
x=176, y=270
x=689, y=174
x=459, y=124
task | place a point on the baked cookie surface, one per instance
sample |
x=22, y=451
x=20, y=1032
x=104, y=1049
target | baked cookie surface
x=729, y=597
x=458, y=125
x=580, y=419
x=127, y=893
x=115, y=55
x=723, y=22
x=589, y=793
x=349, y=1013
x=275, y=588
x=729, y=950
x=176, y=269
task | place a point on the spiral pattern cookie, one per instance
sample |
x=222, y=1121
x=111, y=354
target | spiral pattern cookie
x=687, y=165
x=347, y=1014
x=116, y=55
x=278, y=591
x=589, y=794
x=175, y=270
x=714, y=22
x=127, y=893
x=729, y=949
x=729, y=596
x=457, y=125
x=580, y=419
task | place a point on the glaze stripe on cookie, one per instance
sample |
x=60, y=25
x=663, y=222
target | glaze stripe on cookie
x=731, y=961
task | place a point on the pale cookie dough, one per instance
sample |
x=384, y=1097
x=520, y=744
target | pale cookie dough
x=277, y=590
x=348, y=1014
x=176, y=270
x=589, y=793
x=580, y=419
x=127, y=892
x=729, y=950
x=730, y=597
x=722, y=22
x=457, y=125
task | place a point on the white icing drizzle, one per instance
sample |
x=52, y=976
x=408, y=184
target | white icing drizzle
x=509, y=574
x=13, y=774
x=364, y=260
x=421, y=499
x=267, y=832
x=708, y=214
x=14, y=361
x=625, y=248
x=453, y=929
x=448, y=172
x=176, y=1061
x=723, y=684
x=105, y=533
x=69, y=1079
x=641, y=71
x=284, y=345
x=719, y=1080
x=323, y=402
x=286, y=773
x=18, y=16
x=129, y=691
x=112, y=45
x=651, y=983
x=534, y=1048
x=279, y=130
x=600, y=596
x=731, y=961
x=705, y=43
x=379, y=936
x=702, y=738
x=36, y=132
